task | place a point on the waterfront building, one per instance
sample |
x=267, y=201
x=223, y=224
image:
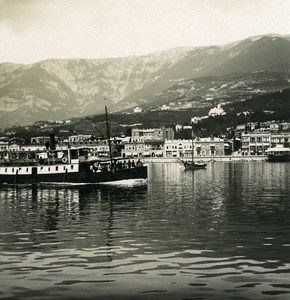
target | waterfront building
x=257, y=142
x=212, y=146
x=282, y=138
x=178, y=148
x=139, y=148
x=154, y=148
x=133, y=149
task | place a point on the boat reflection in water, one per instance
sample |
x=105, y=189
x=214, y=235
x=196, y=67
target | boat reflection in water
x=222, y=233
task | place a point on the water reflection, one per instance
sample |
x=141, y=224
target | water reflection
x=220, y=231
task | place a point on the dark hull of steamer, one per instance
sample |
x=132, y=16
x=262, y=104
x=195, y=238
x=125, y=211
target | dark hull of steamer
x=83, y=176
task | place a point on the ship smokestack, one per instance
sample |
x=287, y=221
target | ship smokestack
x=52, y=141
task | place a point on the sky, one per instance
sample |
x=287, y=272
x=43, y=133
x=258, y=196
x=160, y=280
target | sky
x=34, y=30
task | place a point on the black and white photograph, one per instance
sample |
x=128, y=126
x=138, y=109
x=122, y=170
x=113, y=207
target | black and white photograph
x=144, y=149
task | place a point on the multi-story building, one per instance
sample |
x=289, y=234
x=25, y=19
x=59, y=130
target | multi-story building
x=200, y=147
x=39, y=139
x=177, y=148
x=79, y=138
x=159, y=134
x=142, y=148
x=282, y=138
x=134, y=149
x=257, y=142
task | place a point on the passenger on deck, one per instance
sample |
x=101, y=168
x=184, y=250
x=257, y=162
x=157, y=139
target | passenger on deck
x=139, y=163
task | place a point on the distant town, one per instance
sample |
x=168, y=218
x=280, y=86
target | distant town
x=248, y=139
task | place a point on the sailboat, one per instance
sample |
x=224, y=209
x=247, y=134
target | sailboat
x=193, y=165
x=66, y=166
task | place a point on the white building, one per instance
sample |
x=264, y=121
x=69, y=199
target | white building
x=137, y=109
x=201, y=147
x=195, y=120
x=165, y=107
x=79, y=137
x=216, y=111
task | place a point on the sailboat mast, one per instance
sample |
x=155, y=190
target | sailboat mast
x=191, y=142
x=108, y=135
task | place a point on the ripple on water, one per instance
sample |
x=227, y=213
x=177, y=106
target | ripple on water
x=222, y=233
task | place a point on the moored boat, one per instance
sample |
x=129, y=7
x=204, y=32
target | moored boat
x=279, y=153
x=193, y=165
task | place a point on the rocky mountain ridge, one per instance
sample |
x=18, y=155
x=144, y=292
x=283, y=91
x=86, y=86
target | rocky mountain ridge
x=61, y=89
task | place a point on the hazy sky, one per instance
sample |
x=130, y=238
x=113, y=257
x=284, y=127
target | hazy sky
x=32, y=30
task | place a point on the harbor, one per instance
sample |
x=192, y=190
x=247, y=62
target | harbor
x=144, y=150
x=217, y=233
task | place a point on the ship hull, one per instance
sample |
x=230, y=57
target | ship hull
x=194, y=166
x=77, y=177
x=278, y=158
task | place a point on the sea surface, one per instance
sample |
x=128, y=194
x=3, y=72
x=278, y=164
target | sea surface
x=218, y=233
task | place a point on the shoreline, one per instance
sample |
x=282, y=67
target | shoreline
x=224, y=158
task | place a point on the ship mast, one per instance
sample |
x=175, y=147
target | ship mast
x=108, y=135
x=192, y=142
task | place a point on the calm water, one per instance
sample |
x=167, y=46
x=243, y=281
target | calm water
x=219, y=233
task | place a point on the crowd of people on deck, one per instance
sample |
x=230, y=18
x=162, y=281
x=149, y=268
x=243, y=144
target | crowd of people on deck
x=115, y=165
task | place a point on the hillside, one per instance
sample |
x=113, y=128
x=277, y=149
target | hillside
x=270, y=107
x=207, y=92
x=62, y=89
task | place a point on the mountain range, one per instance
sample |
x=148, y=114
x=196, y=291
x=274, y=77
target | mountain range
x=184, y=77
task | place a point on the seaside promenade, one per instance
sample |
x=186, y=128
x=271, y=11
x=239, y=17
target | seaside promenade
x=225, y=158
